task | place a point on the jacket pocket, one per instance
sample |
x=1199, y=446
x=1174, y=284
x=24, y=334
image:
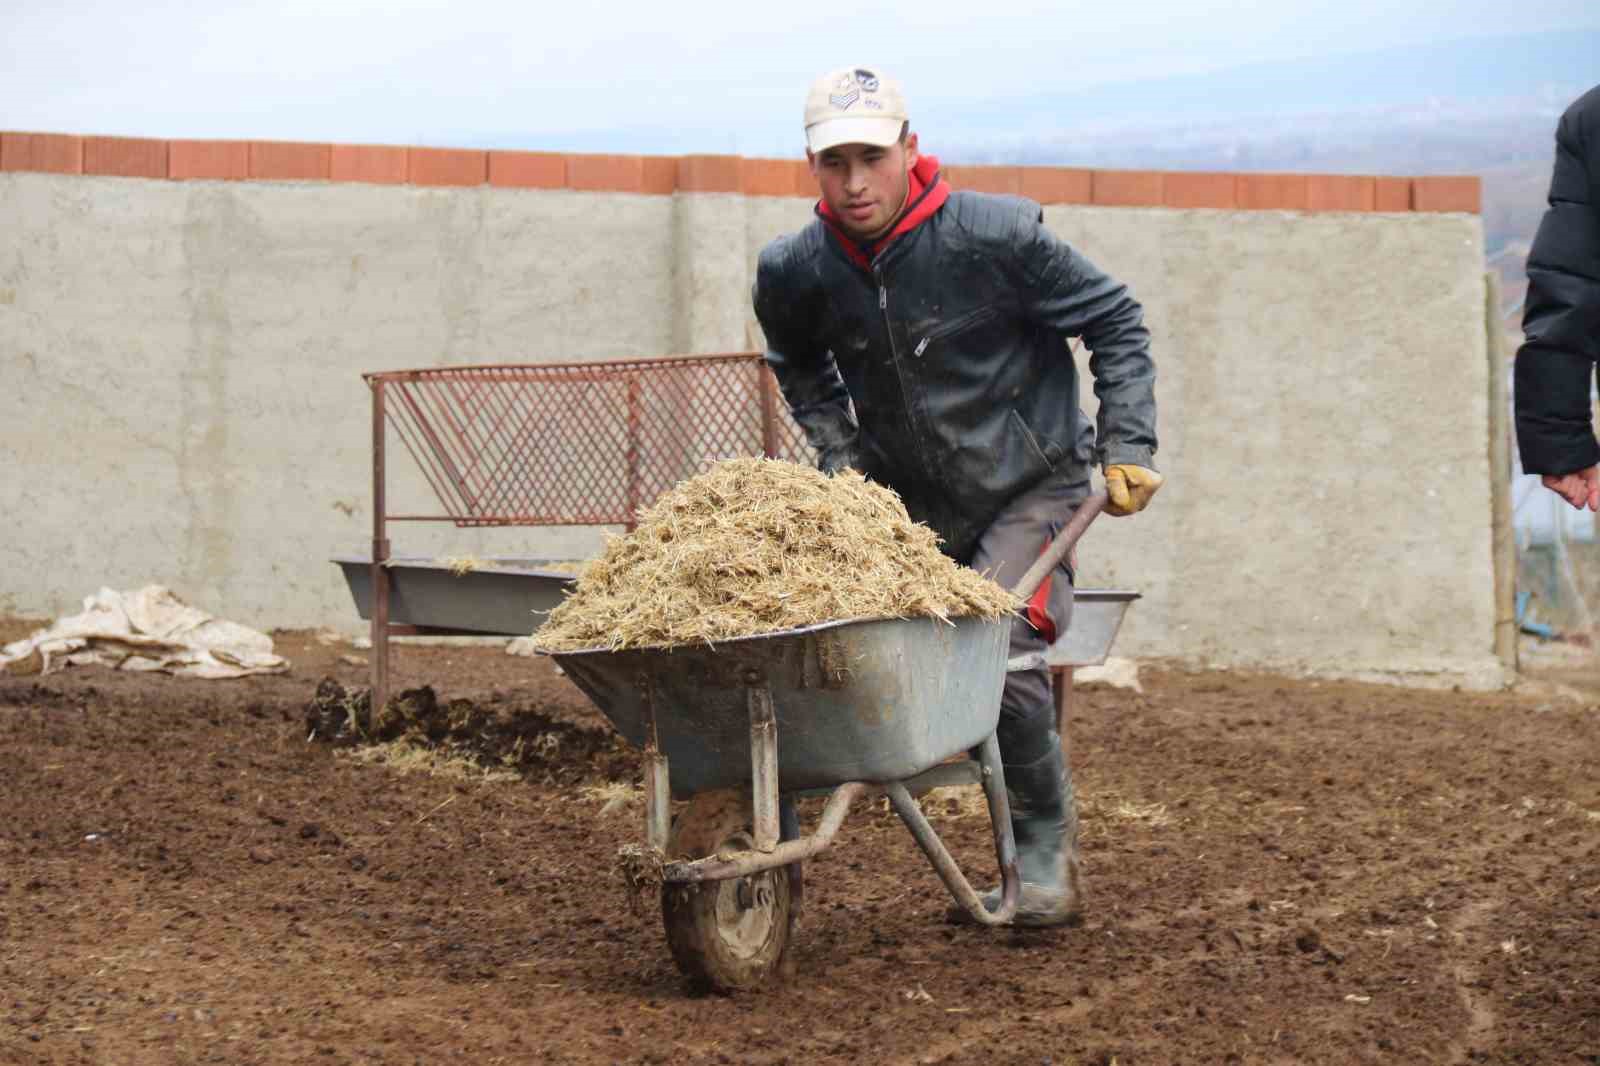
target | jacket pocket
x=1041, y=449
x=954, y=325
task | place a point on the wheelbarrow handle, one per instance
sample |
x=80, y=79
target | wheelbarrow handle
x=1058, y=548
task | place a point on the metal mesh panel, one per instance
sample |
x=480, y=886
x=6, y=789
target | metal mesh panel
x=580, y=443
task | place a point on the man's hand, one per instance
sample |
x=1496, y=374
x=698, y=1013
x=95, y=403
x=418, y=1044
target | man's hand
x=1130, y=487
x=1581, y=488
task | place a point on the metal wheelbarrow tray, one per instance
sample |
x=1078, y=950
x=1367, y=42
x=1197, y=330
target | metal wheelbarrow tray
x=851, y=701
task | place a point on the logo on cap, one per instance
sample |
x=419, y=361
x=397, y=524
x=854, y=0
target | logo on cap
x=847, y=94
x=849, y=86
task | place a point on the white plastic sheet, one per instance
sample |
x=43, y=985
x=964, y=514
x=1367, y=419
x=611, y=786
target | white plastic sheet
x=145, y=629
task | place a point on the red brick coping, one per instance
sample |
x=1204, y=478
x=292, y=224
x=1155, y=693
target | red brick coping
x=180, y=160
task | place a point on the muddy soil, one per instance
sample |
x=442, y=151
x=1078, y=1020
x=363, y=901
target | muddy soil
x=1279, y=872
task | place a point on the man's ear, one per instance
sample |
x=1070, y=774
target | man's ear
x=910, y=146
x=811, y=161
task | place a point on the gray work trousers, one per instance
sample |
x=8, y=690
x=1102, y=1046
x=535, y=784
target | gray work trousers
x=1005, y=551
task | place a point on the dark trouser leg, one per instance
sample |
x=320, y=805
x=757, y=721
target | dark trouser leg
x=1044, y=814
x=1006, y=550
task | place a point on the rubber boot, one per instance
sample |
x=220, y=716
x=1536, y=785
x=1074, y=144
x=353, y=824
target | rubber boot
x=1044, y=820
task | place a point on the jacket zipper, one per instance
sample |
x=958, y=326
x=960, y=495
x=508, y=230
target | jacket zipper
x=912, y=401
x=953, y=326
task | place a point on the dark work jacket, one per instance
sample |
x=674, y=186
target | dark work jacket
x=944, y=372
x=1561, y=319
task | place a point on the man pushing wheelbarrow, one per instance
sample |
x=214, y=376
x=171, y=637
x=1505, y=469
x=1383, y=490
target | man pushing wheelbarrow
x=920, y=336
x=768, y=631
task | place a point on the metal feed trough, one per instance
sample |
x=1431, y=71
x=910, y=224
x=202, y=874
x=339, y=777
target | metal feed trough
x=854, y=708
x=496, y=597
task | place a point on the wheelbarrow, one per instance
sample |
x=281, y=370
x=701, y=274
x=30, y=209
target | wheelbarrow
x=854, y=708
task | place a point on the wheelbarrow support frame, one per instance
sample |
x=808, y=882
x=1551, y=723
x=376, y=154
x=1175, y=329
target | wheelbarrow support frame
x=657, y=779
x=769, y=853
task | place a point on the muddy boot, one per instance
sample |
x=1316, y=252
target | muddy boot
x=1044, y=820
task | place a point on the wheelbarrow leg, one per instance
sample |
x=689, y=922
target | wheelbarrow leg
x=767, y=821
x=732, y=930
x=763, y=763
x=657, y=800
x=657, y=780
x=1005, y=845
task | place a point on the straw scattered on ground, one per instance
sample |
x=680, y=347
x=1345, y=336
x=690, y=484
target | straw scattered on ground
x=613, y=797
x=1098, y=812
x=409, y=756
x=755, y=546
x=641, y=867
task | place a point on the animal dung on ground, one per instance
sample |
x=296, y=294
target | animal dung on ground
x=757, y=546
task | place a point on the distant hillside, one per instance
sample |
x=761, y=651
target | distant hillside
x=1511, y=145
x=1459, y=108
x=1536, y=66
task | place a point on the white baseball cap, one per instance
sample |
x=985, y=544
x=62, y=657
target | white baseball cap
x=854, y=105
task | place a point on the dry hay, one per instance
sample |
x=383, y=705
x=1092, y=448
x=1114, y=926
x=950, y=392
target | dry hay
x=956, y=802
x=462, y=565
x=613, y=796
x=408, y=755
x=417, y=730
x=1098, y=812
x=641, y=867
x=562, y=566
x=756, y=546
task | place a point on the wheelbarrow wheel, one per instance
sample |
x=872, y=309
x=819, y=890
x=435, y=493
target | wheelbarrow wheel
x=728, y=935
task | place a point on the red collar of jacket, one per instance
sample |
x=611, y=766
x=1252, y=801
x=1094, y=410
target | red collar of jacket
x=927, y=194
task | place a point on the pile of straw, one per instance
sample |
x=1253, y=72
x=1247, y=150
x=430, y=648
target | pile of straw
x=755, y=546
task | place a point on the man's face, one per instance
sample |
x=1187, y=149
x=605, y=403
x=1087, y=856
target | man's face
x=864, y=184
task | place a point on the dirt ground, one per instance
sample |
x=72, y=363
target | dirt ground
x=1279, y=872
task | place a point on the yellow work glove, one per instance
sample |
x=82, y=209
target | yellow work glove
x=1130, y=487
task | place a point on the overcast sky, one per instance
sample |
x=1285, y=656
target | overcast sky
x=730, y=74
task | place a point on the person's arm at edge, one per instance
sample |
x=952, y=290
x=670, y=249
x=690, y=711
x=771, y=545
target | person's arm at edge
x=807, y=375
x=1561, y=319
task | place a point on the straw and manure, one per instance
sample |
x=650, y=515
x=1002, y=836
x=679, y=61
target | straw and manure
x=756, y=546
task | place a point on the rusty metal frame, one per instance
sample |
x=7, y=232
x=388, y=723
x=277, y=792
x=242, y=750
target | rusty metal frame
x=580, y=443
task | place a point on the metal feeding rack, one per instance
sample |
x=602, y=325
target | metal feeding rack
x=551, y=444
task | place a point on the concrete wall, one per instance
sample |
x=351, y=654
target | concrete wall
x=182, y=400
x=1324, y=423
x=182, y=361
